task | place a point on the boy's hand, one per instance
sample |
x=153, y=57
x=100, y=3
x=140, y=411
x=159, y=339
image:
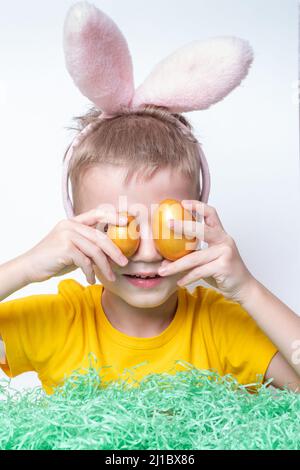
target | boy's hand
x=220, y=265
x=76, y=243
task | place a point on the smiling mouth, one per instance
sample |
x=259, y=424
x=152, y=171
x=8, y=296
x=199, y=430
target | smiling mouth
x=142, y=277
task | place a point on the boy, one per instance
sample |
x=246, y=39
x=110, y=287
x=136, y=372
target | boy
x=243, y=329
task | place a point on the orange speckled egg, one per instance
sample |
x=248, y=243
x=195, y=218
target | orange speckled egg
x=126, y=237
x=170, y=247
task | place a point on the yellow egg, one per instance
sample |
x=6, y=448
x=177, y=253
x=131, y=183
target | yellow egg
x=126, y=237
x=170, y=247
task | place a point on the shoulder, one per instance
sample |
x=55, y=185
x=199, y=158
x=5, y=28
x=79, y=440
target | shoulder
x=216, y=306
x=42, y=307
x=207, y=296
x=71, y=290
x=201, y=301
x=67, y=285
x=77, y=294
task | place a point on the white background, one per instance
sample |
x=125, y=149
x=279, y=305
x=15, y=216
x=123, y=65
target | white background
x=250, y=139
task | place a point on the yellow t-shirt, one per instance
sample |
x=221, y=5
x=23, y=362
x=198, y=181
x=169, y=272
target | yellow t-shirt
x=53, y=334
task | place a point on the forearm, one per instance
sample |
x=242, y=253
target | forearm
x=13, y=276
x=276, y=319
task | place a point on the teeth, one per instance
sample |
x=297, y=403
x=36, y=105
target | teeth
x=145, y=277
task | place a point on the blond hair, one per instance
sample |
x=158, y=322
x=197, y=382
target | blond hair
x=143, y=141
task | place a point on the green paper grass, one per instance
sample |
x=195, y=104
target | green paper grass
x=191, y=409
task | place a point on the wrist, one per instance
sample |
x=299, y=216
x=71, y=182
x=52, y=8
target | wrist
x=24, y=266
x=13, y=277
x=249, y=291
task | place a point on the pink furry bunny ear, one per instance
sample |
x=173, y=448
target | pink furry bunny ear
x=197, y=75
x=97, y=57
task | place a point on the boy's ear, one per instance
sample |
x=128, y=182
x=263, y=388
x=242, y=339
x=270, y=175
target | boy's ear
x=197, y=75
x=97, y=57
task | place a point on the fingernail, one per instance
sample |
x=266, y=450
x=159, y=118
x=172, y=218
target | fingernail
x=123, y=260
x=162, y=270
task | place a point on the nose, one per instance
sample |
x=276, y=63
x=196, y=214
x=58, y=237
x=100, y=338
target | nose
x=146, y=251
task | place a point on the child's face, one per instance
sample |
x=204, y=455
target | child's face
x=104, y=185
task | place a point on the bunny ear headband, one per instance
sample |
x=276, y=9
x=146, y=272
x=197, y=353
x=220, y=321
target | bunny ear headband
x=193, y=77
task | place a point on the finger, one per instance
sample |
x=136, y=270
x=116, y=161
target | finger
x=192, y=260
x=200, y=230
x=102, y=241
x=203, y=210
x=188, y=228
x=100, y=215
x=95, y=254
x=83, y=262
x=165, y=263
x=198, y=273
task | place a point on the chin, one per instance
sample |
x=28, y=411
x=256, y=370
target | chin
x=140, y=300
